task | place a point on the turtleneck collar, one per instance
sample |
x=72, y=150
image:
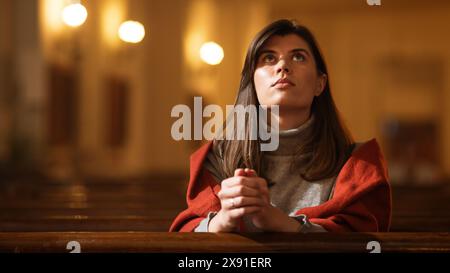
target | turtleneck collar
x=298, y=130
x=289, y=139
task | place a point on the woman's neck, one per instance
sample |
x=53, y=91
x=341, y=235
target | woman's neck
x=290, y=119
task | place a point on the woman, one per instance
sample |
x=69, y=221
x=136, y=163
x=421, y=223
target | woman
x=317, y=180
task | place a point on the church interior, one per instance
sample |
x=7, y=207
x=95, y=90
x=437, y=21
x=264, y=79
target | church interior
x=85, y=110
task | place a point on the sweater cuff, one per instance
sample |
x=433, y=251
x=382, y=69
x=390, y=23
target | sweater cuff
x=306, y=225
x=203, y=226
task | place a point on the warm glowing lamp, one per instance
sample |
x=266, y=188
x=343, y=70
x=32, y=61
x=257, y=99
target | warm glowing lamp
x=74, y=15
x=131, y=32
x=211, y=53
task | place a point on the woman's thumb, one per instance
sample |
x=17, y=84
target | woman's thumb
x=239, y=172
x=250, y=172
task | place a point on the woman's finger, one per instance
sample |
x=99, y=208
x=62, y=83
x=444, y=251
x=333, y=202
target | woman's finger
x=241, y=201
x=239, y=212
x=250, y=172
x=239, y=172
x=253, y=182
x=238, y=191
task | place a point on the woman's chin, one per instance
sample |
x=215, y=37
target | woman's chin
x=282, y=100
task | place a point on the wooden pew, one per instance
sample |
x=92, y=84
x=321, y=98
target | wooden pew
x=421, y=208
x=151, y=204
x=156, y=242
x=43, y=205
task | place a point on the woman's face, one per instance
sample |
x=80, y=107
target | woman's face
x=286, y=74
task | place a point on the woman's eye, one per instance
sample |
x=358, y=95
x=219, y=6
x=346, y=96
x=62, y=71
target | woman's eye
x=298, y=58
x=268, y=58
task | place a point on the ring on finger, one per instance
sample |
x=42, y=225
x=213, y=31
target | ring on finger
x=232, y=203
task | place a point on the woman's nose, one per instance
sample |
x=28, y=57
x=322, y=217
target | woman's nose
x=283, y=66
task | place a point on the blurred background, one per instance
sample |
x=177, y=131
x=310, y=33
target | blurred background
x=87, y=88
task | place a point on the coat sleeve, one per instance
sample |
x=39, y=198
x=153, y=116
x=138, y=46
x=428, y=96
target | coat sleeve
x=186, y=221
x=201, y=199
x=362, y=198
x=369, y=213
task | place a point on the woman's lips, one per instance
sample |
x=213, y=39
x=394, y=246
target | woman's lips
x=283, y=83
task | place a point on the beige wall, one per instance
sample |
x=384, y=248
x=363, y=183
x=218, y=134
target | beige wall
x=357, y=41
x=153, y=71
x=21, y=65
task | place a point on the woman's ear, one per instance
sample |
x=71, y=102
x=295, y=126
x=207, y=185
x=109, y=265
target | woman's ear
x=321, y=83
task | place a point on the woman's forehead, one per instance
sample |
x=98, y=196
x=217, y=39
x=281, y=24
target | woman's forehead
x=285, y=42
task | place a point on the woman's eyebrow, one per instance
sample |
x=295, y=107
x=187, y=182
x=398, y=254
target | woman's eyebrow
x=295, y=50
x=300, y=50
x=267, y=51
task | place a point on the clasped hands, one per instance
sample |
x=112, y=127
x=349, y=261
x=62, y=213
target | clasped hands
x=247, y=194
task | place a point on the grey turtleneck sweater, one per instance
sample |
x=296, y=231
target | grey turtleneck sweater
x=290, y=191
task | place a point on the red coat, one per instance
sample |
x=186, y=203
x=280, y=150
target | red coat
x=361, y=200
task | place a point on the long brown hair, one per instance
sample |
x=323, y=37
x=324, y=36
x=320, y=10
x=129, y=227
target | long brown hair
x=327, y=144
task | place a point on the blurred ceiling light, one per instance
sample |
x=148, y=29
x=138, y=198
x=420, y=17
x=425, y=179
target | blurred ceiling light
x=131, y=32
x=211, y=53
x=74, y=15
